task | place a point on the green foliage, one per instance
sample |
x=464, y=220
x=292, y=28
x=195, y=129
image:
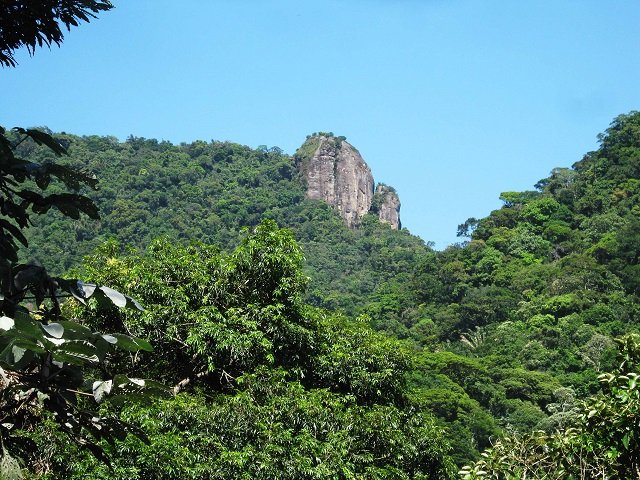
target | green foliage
x=541, y=288
x=601, y=441
x=16, y=200
x=209, y=192
x=271, y=428
x=34, y=24
x=533, y=299
x=48, y=362
x=503, y=333
x=269, y=387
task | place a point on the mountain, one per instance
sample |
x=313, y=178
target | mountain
x=508, y=329
x=210, y=191
x=334, y=171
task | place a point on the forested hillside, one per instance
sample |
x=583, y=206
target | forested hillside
x=210, y=192
x=265, y=385
x=528, y=308
x=504, y=332
x=241, y=313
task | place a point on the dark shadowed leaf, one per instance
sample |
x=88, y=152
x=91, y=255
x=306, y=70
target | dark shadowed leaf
x=132, y=344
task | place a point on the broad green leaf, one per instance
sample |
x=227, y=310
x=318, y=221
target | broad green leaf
x=72, y=178
x=6, y=323
x=120, y=380
x=27, y=326
x=102, y=347
x=29, y=345
x=18, y=353
x=79, y=331
x=101, y=389
x=77, y=352
x=53, y=329
x=132, y=344
x=88, y=289
x=625, y=441
x=72, y=204
x=127, y=389
x=135, y=303
x=13, y=230
x=42, y=138
x=74, y=287
x=118, y=299
x=110, y=338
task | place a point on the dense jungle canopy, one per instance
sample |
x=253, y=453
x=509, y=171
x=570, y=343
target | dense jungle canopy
x=184, y=311
x=505, y=332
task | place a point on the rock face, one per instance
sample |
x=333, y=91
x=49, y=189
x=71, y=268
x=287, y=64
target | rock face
x=388, y=206
x=335, y=172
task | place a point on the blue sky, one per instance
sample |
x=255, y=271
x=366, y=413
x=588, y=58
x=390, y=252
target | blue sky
x=451, y=102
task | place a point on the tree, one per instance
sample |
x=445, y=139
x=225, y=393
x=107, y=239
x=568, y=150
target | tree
x=601, y=440
x=31, y=24
x=49, y=363
x=50, y=366
x=268, y=387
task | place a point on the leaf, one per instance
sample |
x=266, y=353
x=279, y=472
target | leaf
x=625, y=441
x=87, y=288
x=29, y=275
x=76, y=352
x=110, y=338
x=128, y=389
x=53, y=329
x=135, y=303
x=43, y=180
x=14, y=231
x=74, y=287
x=19, y=350
x=71, y=177
x=118, y=299
x=98, y=452
x=18, y=353
x=102, y=347
x=80, y=330
x=6, y=323
x=70, y=204
x=101, y=389
x=132, y=344
x=26, y=326
x=42, y=138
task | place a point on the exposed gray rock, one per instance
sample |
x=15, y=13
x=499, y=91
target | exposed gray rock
x=337, y=174
x=388, y=206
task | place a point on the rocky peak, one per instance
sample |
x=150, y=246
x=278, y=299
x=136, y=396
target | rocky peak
x=335, y=172
x=386, y=204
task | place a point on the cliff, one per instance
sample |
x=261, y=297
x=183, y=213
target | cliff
x=387, y=206
x=335, y=172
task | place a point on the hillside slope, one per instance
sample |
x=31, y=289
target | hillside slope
x=509, y=329
x=209, y=192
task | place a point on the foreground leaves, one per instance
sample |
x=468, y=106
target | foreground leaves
x=52, y=365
